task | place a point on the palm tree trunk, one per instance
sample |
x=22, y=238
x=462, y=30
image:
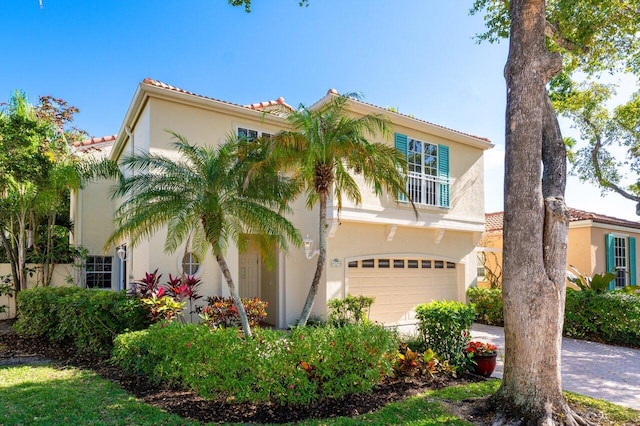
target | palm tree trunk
x=234, y=294
x=322, y=258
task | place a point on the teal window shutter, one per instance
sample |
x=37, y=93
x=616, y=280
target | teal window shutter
x=401, y=145
x=632, y=261
x=610, y=260
x=443, y=172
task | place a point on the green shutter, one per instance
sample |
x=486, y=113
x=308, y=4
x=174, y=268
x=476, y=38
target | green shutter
x=632, y=261
x=610, y=262
x=401, y=145
x=443, y=172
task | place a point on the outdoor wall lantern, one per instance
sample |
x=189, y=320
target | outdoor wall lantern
x=308, y=247
x=122, y=253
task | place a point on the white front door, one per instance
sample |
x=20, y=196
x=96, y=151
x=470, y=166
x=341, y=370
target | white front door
x=248, y=283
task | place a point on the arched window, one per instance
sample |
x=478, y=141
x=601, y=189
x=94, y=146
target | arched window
x=190, y=263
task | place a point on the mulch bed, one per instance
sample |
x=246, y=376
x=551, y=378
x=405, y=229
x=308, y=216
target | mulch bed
x=16, y=350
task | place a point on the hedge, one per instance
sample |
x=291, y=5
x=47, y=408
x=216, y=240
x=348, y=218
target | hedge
x=306, y=365
x=445, y=327
x=88, y=319
x=612, y=317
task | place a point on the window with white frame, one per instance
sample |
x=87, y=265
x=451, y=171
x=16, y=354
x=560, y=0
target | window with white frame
x=620, y=260
x=428, y=171
x=190, y=263
x=251, y=134
x=98, y=272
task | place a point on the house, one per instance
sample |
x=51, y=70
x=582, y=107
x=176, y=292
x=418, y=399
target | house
x=377, y=248
x=596, y=244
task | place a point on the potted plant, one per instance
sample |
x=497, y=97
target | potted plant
x=483, y=357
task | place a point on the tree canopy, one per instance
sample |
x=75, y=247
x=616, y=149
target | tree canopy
x=600, y=45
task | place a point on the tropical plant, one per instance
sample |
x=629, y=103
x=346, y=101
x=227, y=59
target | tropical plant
x=222, y=312
x=476, y=348
x=207, y=197
x=323, y=151
x=598, y=283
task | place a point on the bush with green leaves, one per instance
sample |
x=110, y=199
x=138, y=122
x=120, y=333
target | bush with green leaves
x=88, y=319
x=350, y=310
x=306, y=365
x=612, y=317
x=488, y=303
x=445, y=328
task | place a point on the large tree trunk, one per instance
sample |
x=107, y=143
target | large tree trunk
x=535, y=231
x=242, y=313
x=322, y=259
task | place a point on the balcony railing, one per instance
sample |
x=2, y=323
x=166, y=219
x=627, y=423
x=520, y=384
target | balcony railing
x=428, y=190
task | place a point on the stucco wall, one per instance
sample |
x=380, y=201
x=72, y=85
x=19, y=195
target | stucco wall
x=62, y=275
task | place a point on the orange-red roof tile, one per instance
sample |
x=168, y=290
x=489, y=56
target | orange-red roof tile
x=493, y=221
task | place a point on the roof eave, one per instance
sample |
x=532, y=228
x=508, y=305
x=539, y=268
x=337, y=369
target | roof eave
x=415, y=123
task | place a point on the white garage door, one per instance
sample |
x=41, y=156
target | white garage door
x=399, y=285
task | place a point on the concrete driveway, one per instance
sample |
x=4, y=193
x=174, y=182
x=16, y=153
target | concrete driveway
x=616, y=378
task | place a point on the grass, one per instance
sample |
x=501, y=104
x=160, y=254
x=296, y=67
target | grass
x=44, y=395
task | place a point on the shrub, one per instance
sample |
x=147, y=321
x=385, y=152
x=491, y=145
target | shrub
x=488, y=303
x=222, y=312
x=445, y=328
x=612, y=317
x=350, y=310
x=309, y=364
x=89, y=319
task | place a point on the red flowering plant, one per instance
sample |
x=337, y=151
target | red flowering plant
x=480, y=349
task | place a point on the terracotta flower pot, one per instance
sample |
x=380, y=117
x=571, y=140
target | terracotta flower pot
x=485, y=364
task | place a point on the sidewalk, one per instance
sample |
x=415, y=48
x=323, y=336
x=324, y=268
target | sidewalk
x=616, y=378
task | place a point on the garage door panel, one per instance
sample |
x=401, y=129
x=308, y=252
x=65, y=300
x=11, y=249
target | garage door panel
x=397, y=291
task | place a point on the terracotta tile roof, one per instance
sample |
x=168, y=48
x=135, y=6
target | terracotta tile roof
x=279, y=105
x=266, y=106
x=88, y=143
x=269, y=105
x=493, y=221
x=335, y=92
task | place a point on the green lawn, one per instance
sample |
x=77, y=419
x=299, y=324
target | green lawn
x=44, y=395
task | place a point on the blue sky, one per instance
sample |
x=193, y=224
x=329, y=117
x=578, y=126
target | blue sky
x=418, y=56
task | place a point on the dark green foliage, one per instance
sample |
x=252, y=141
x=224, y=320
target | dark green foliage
x=611, y=317
x=309, y=364
x=350, y=310
x=88, y=319
x=445, y=328
x=488, y=304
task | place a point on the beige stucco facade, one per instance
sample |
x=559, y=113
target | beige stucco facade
x=379, y=228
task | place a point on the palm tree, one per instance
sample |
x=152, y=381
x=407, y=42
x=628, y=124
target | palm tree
x=324, y=149
x=206, y=197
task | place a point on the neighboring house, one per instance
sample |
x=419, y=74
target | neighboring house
x=376, y=249
x=596, y=244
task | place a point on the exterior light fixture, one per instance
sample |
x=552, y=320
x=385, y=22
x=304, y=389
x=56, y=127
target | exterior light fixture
x=122, y=253
x=308, y=247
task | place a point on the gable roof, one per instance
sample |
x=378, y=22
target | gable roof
x=493, y=221
x=275, y=109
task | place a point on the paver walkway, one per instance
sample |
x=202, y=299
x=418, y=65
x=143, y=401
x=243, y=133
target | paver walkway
x=601, y=371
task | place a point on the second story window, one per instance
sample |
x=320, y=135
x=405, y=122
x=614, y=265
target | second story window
x=247, y=134
x=428, y=171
